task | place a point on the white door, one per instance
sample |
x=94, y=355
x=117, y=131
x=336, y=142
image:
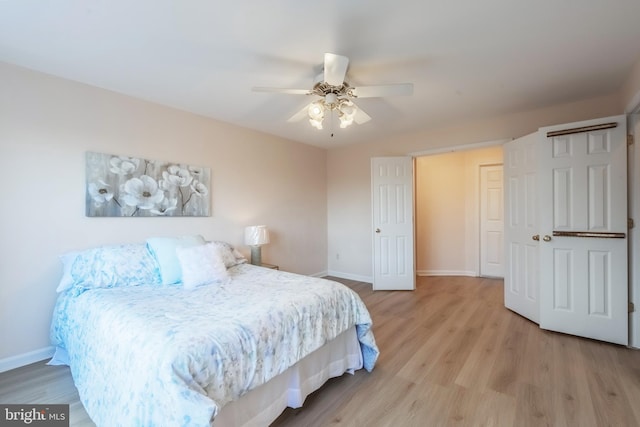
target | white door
x=392, y=199
x=583, y=229
x=521, y=279
x=491, y=222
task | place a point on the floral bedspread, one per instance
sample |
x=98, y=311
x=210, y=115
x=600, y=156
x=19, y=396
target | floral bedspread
x=166, y=356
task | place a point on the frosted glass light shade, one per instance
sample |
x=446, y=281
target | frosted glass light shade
x=256, y=235
x=316, y=111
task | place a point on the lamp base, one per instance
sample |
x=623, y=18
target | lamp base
x=256, y=255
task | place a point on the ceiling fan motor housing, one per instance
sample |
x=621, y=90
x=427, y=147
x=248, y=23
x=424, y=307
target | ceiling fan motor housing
x=322, y=88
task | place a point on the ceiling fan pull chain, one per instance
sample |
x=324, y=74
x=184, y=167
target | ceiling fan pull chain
x=331, y=123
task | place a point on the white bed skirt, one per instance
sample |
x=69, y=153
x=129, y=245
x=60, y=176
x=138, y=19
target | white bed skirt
x=262, y=405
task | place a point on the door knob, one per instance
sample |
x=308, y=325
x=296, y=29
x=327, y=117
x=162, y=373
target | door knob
x=547, y=238
x=377, y=230
x=536, y=237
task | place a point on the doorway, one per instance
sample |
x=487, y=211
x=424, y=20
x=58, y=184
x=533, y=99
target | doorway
x=448, y=211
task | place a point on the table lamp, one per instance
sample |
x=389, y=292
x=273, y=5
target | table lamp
x=256, y=236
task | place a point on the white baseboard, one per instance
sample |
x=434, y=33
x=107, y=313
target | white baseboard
x=357, y=277
x=321, y=274
x=24, y=359
x=446, y=273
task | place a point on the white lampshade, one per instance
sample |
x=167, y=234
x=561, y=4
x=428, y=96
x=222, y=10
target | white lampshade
x=316, y=123
x=256, y=235
x=345, y=121
x=348, y=109
x=316, y=111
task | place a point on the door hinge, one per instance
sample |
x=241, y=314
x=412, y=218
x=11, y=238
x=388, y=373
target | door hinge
x=630, y=223
x=629, y=139
x=631, y=307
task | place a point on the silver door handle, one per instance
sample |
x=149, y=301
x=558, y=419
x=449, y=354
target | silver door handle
x=547, y=238
x=377, y=230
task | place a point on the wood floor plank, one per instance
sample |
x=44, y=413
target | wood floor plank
x=444, y=353
x=568, y=383
x=534, y=407
x=477, y=368
x=451, y=354
x=507, y=369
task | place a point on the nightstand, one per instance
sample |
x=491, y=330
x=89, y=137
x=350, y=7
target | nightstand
x=265, y=265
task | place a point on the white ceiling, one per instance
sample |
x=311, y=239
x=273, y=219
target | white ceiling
x=466, y=59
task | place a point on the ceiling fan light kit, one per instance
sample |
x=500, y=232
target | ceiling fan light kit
x=337, y=95
x=345, y=108
x=316, y=114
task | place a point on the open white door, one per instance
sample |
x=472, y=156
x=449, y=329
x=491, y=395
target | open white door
x=583, y=229
x=521, y=279
x=393, y=242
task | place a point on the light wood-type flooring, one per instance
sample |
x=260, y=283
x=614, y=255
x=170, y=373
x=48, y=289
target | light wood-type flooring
x=451, y=354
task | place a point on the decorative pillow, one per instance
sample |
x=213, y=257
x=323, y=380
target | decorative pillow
x=67, y=262
x=230, y=255
x=201, y=265
x=111, y=266
x=164, y=251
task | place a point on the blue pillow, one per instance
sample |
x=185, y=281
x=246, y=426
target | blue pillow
x=164, y=251
x=112, y=266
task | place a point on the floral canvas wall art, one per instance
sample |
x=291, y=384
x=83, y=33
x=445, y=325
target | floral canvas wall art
x=131, y=186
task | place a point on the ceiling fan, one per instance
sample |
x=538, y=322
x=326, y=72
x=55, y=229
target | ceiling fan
x=336, y=94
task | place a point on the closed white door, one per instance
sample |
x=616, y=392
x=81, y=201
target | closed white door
x=583, y=229
x=393, y=242
x=491, y=221
x=521, y=278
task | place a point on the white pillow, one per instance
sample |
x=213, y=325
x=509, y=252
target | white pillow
x=164, y=251
x=201, y=265
x=230, y=255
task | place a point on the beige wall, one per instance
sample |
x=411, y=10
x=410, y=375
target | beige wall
x=447, y=211
x=630, y=90
x=46, y=126
x=348, y=171
x=440, y=214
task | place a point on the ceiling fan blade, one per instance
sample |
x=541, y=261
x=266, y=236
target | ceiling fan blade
x=300, y=115
x=361, y=117
x=401, y=89
x=282, y=90
x=335, y=68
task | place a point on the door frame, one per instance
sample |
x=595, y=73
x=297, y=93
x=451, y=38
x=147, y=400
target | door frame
x=633, y=184
x=632, y=111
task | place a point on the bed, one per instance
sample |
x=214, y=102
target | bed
x=235, y=350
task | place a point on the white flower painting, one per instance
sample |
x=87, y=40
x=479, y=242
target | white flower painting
x=130, y=186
